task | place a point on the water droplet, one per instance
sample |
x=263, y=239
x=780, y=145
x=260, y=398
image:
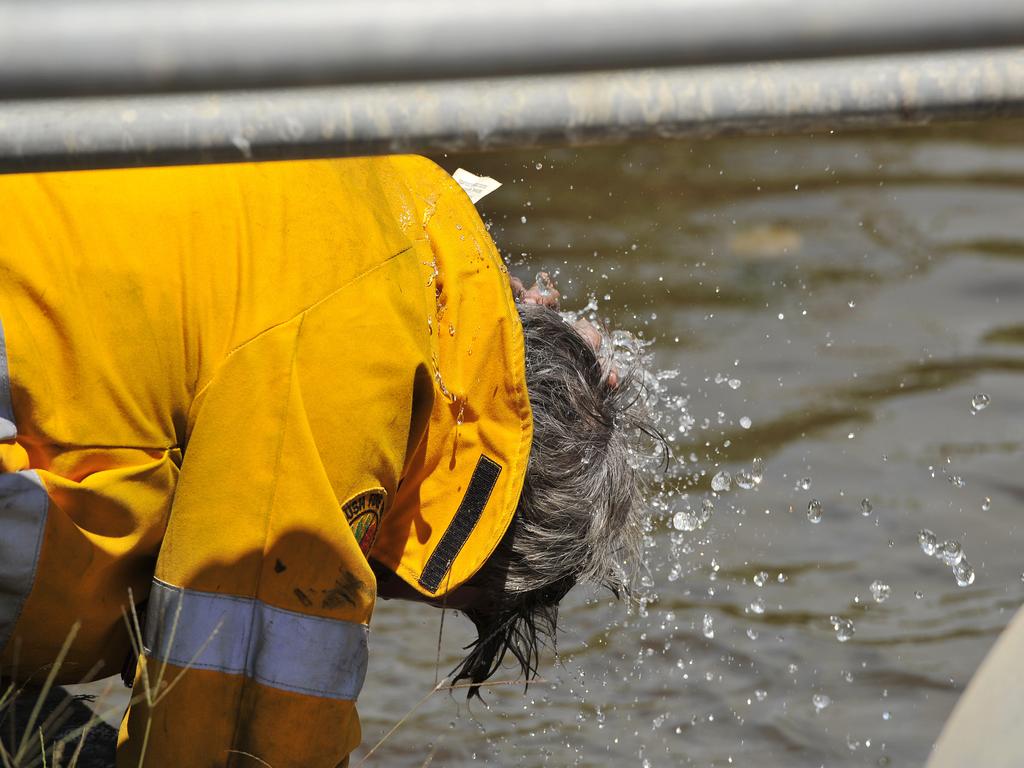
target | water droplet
x=753, y=634
x=757, y=468
x=820, y=702
x=761, y=578
x=964, y=573
x=721, y=482
x=745, y=480
x=522, y=219
x=851, y=303
x=986, y=505
x=950, y=552
x=706, y=508
x=735, y=383
x=745, y=422
x=814, y=511
x=803, y=484
x=887, y=715
x=956, y=481
x=880, y=591
x=757, y=606
x=980, y=402
x=918, y=594
x=844, y=628
x=865, y=507
x=538, y=166
x=709, y=626
x=684, y=521
x=782, y=578
x=927, y=541
x=544, y=283
x=451, y=329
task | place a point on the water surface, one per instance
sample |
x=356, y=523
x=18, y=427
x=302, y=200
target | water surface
x=862, y=288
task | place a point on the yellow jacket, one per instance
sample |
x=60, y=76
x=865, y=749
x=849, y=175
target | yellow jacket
x=222, y=387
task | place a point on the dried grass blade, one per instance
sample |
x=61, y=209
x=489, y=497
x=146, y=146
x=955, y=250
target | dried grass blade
x=259, y=760
x=401, y=722
x=50, y=678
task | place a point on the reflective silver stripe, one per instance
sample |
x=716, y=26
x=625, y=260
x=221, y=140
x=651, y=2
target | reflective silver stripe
x=23, y=506
x=8, y=431
x=278, y=648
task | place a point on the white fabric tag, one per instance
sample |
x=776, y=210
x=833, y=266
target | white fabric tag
x=477, y=187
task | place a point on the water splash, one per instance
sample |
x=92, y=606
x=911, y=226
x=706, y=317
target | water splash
x=745, y=480
x=844, y=628
x=757, y=470
x=684, y=521
x=880, y=591
x=927, y=540
x=721, y=482
x=951, y=553
x=545, y=285
x=963, y=573
x=706, y=508
x=814, y=511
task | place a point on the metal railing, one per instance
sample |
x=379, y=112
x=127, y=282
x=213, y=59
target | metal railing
x=75, y=47
x=97, y=83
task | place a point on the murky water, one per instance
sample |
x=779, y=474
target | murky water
x=833, y=304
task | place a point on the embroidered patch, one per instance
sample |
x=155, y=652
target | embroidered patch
x=363, y=514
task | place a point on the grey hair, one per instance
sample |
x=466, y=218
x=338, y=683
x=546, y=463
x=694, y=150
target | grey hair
x=580, y=516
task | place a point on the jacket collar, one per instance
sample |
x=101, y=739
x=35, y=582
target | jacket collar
x=462, y=482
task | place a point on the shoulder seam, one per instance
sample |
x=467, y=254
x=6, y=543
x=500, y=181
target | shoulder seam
x=206, y=385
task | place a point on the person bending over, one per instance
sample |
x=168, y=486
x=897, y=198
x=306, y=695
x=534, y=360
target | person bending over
x=242, y=401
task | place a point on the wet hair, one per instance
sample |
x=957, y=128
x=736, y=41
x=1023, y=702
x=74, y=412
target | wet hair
x=580, y=515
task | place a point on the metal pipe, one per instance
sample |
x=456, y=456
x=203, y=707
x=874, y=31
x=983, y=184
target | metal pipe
x=513, y=112
x=78, y=47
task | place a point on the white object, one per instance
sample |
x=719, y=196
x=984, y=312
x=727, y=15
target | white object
x=477, y=187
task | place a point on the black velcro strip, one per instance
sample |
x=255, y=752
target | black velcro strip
x=468, y=515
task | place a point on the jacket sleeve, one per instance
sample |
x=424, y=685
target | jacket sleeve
x=256, y=628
